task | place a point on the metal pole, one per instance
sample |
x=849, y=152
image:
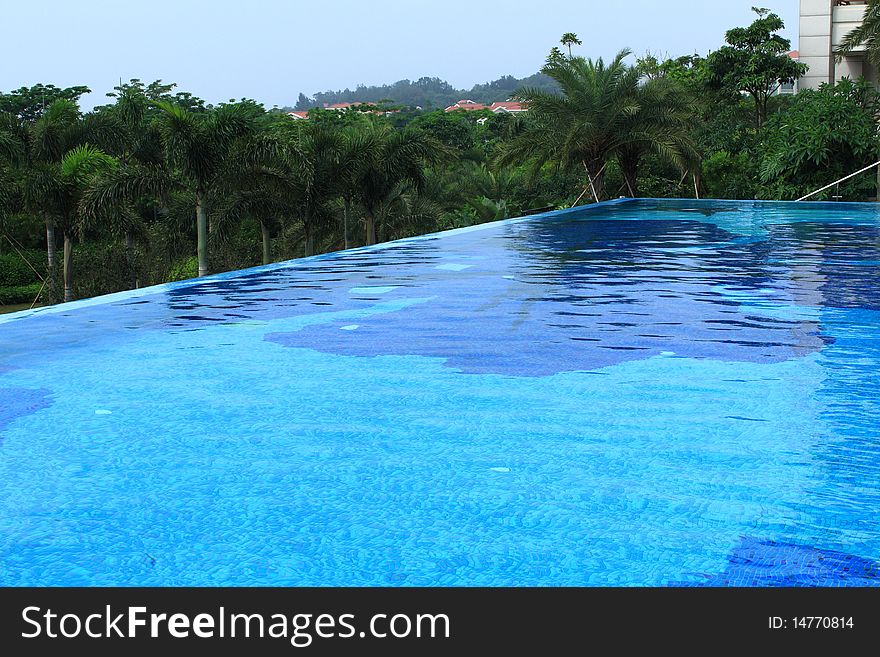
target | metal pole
x=878, y=183
x=837, y=182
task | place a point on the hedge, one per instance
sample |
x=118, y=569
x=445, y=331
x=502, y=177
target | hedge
x=18, y=294
x=15, y=271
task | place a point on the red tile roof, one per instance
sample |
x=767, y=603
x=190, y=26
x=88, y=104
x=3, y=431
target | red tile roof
x=508, y=106
x=467, y=105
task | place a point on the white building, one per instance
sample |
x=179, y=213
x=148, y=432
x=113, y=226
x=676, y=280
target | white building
x=824, y=24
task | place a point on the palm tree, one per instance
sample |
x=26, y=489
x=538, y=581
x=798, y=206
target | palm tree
x=602, y=114
x=353, y=158
x=196, y=143
x=115, y=199
x=260, y=176
x=585, y=125
x=56, y=189
x=52, y=135
x=661, y=125
x=392, y=173
x=570, y=39
x=317, y=180
x=867, y=34
x=111, y=201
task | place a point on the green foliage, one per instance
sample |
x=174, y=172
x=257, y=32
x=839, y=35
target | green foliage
x=82, y=163
x=602, y=114
x=454, y=129
x=688, y=69
x=755, y=61
x=184, y=269
x=10, y=296
x=29, y=103
x=824, y=135
x=727, y=175
x=15, y=270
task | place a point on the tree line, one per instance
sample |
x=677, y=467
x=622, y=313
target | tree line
x=426, y=92
x=158, y=185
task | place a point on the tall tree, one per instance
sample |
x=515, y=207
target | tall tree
x=755, y=61
x=661, y=125
x=568, y=40
x=196, y=144
x=392, y=174
x=585, y=126
x=49, y=138
x=317, y=182
x=112, y=202
x=29, y=103
x=56, y=187
x=262, y=183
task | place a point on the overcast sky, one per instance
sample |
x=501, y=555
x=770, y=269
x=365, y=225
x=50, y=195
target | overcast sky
x=270, y=50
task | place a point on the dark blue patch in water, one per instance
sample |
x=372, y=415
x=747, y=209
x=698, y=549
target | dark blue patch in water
x=584, y=295
x=18, y=402
x=771, y=564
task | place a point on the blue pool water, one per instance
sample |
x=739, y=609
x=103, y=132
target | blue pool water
x=637, y=393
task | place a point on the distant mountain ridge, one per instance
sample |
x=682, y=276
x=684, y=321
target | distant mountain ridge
x=427, y=93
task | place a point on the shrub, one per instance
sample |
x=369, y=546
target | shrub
x=19, y=294
x=183, y=269
x=15, y=270
x=823, y=136
x=729, y=176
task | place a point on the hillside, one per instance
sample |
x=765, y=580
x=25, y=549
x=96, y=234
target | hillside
x=426, y=92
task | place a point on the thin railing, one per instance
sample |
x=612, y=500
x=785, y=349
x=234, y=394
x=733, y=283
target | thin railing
x=837, y=182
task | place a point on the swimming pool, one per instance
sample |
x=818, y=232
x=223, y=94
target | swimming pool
x=635, y=393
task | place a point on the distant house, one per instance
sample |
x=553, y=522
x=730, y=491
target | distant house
x=467, y=106
x=341, y=107
x=507, y=107
x=338, y=107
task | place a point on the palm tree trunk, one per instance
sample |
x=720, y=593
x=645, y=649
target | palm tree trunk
x=369, y=229
x=309, y=246
x=346, y=211
x=629, y=166
x=51, y=257
x=599, y=186
x=202, y=232
x=267, y=243
x=308, y=233
x=68, y=267
x=596, y=178
x=129, y=260
x=632, y=185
